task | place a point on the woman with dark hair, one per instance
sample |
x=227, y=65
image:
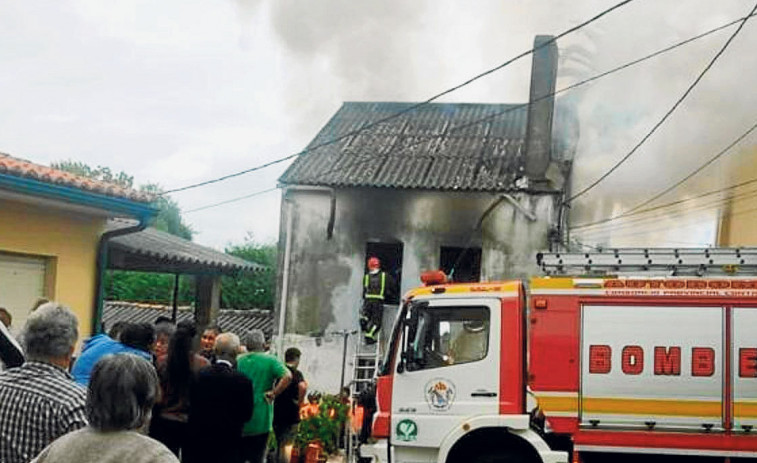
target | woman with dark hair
x=121, y=393
x=177, y=373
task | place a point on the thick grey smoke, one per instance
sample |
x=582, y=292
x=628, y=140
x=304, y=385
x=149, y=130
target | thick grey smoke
x=341, y=50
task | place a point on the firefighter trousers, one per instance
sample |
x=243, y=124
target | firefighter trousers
x=370, y=319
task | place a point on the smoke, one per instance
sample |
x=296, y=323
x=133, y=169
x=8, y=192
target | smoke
x=394, y=50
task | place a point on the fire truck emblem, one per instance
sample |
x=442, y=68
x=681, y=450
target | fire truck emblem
x=440, y=393
x=407, y=430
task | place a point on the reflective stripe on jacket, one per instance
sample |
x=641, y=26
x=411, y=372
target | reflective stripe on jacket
x=370, y=292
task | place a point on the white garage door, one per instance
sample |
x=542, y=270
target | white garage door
x=22, y=282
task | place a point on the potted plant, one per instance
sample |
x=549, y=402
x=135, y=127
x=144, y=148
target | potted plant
x=318, y=434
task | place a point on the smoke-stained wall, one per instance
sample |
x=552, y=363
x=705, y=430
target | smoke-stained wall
x=324, y=294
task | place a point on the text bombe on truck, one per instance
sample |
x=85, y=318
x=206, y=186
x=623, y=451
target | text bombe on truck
x=641, y=363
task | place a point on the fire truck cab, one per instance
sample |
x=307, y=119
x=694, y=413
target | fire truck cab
x=547, y=370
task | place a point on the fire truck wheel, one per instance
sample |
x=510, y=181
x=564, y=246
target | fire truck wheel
x=501, y=457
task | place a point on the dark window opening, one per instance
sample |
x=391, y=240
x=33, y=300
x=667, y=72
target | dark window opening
x=390, y=255
x=461, y=264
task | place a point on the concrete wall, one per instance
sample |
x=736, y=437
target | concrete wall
x=68, y=241
x=324, y=285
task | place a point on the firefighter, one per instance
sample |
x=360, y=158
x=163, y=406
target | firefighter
x=376, y=285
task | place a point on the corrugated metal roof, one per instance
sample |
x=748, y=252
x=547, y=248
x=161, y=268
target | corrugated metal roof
x=235, y=321
x=154, y=250
x=440, y=146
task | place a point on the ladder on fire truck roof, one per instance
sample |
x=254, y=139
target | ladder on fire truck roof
x=662, y=261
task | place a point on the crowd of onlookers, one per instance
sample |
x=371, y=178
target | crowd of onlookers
x=142, y=393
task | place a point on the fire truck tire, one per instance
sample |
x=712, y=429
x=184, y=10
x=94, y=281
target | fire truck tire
x=501, y=457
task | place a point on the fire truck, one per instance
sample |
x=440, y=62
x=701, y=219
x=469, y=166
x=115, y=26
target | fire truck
x=610, y=352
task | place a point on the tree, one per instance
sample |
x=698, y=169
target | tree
x=169, y=217
x=251, y=290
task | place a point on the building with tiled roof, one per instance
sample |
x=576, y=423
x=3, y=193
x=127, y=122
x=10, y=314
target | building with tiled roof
x=474, y=189
x=53, y=234
x=23, y=169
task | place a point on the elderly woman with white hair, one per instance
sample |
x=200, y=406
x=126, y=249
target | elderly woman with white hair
x=121, y=393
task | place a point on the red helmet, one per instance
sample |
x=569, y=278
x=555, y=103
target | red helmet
x=374, y=263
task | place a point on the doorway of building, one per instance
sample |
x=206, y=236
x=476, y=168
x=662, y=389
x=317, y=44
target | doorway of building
x=390, y=255
x=461, y=264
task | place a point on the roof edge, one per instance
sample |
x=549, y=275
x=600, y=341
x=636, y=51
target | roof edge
x=140, y=210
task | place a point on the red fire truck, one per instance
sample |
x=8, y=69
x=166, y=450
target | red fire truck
x=638, y=355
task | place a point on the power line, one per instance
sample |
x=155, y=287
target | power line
x=409, y=108
x=717, y=156
x=520, y=106
x=670, y=204
x=667, y=114
x=496, y=114
x=643, y=221
x=257, y=193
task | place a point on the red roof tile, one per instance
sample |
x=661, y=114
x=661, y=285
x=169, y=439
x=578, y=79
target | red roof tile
x=21, y=168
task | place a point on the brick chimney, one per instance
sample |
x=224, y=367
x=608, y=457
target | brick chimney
x=539, y=126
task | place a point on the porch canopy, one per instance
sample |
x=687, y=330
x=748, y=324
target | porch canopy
x=152, y=250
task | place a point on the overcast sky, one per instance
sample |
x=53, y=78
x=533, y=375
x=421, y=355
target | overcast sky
x=177, y=92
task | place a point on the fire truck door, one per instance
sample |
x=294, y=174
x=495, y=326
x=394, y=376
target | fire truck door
x=744, y=369
x=449, y=370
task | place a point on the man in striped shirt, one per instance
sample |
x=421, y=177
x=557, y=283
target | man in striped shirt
x=39, y=401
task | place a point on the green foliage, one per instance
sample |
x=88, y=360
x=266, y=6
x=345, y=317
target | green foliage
x=156, y=288
x=169, y=217
x=251, y=290
x=100, y=173
x=325, y=427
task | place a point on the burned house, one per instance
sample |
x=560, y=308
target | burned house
x=473, y=189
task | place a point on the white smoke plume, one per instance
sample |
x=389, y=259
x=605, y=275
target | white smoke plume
x=395, y=50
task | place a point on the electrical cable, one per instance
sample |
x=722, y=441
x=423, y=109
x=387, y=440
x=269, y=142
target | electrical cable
x=232, y=200
x=667, y=114
x=508, y=110
x=395, y=153
x=673, y=203
x=674, y=186
x=642, y=222
x=409, y=108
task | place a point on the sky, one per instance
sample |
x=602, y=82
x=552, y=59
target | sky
x=177, y=92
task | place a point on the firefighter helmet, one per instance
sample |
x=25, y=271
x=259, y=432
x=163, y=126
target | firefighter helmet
x=374, y=263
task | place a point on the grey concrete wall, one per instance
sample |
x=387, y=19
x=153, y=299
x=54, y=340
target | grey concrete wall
x=324, y=291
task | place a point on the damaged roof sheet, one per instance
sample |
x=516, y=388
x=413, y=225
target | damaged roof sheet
x=438, y=146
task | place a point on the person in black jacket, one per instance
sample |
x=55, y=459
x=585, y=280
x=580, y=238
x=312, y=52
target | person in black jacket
x=220, y=404
x=11, y=354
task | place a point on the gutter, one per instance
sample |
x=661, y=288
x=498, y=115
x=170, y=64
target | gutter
x=119, y=206
x=102, y=265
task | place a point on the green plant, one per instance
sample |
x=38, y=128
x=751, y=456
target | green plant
x=325, y=427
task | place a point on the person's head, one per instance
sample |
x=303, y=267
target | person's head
x=374, y=263
x=292, y=356
x=163, y=333
x=139, y=336
x=116, y=330
x=162, y=319
x=227, y=347
x=122, y=390
x=5, y=317
x=255, y=340
x=181, y=350
x=209, y=336
x=50, y=334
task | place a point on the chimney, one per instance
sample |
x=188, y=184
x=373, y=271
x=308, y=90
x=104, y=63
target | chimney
x=540, y=111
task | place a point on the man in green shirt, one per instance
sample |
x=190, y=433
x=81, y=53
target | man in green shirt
x=269, y=377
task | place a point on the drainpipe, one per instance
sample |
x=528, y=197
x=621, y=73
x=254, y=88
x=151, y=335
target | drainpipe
x=285, y=277
x=102, y=263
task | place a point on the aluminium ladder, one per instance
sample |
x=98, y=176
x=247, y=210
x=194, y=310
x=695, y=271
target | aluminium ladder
x=663, y=261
